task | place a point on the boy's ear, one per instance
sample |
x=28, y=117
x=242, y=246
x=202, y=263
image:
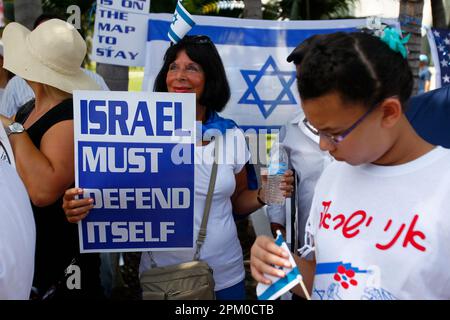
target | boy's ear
x=392, y=112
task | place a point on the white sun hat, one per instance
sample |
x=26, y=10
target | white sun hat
x=51, y=54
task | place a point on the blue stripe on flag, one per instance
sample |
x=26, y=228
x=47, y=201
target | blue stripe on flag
x=279, y=241
x=174, y=36
x=185, y=17
x=280, y=284
x=242, y=36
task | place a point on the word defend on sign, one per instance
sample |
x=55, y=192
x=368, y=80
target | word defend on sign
x=124, y=146
x=119, y=34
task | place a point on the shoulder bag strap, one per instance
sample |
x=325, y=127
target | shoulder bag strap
x=212, y=182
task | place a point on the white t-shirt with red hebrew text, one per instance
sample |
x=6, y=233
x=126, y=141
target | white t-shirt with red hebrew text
x=383, y=232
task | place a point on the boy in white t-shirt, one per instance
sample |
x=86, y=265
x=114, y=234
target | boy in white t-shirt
x=378, y=224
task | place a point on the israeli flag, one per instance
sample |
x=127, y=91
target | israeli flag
x=264, y=95
x=280, y=286
x=182, y=22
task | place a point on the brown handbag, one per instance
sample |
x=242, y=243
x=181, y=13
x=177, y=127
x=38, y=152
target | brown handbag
x=185, y=281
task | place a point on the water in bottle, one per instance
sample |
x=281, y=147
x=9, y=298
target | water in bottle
x=278, y=164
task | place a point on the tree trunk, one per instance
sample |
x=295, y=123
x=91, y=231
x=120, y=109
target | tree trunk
x=438, y=12
x=116, y=77
x=253, y=9
x=295, y=10
x=410, y=17
x=447, y=5
x=26, y=11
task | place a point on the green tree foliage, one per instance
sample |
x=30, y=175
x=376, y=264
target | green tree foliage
x=314, y=9
x=233, y=8
x=272, y=10
x=59, y=7
x=163, y=6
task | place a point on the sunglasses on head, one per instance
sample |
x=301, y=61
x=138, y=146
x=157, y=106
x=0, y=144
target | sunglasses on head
x=197, y=39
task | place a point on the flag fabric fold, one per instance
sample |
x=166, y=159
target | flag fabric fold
x=280, y=286
x=182, y=22
x=439, y=40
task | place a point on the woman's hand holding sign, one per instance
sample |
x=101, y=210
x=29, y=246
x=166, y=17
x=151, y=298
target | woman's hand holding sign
x=76, y=209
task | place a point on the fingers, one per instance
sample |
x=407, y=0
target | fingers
x=287, y=183
x=289, y=173
x=71, y=193
x=264, y=254
x=76, y=209
x=75, y=219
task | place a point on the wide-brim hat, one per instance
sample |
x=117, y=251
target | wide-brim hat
x=51, y=54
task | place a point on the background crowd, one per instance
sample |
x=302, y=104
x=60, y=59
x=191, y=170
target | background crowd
x=353, y=146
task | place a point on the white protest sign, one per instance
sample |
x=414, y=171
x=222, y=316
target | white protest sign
x=127, y=149
x=120, y=32
x=136, y=6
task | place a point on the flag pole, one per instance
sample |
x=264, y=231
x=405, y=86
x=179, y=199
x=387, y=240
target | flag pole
x=302, y=285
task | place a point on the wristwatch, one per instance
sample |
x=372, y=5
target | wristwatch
x=14, y=127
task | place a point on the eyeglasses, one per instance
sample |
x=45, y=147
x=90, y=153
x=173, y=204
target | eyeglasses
x=335, y=139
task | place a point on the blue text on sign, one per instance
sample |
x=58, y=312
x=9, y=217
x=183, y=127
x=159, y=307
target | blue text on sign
x=100, y=117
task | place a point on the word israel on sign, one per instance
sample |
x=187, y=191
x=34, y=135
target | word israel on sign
x=263, y=90
x=123, y=158
x=119, y=32
x=280, y=286
x=439, y=40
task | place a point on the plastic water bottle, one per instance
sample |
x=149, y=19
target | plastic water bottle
x=278, y=164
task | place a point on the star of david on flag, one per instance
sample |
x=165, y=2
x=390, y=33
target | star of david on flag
x=439, y=40
x=182, y=22
x=252, y=79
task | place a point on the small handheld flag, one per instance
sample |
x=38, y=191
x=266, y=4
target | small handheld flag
x=280, y=286
x=182, y=22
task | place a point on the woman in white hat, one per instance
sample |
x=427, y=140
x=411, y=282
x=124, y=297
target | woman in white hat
x=41, y=135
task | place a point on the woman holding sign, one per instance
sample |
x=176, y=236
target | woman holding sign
x=41, y=136
x=193, y=65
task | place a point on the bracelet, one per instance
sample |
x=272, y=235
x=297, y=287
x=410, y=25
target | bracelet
x=259, y=199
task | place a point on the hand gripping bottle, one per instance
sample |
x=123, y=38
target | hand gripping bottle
x=278, y=164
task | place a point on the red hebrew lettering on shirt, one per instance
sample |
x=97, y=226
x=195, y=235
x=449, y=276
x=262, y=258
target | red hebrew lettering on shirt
x=324, y=215
x=410, y=236
x=350, y=226
x=394, y=240
x=353, y=225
